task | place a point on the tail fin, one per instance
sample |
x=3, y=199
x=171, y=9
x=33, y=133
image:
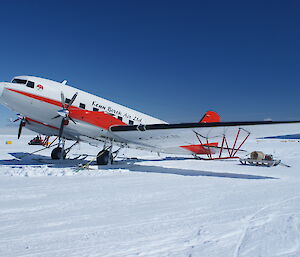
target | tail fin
x=210, y=116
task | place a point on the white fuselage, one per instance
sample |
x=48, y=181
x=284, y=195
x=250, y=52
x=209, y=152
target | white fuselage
x=96, y=120
x=40, y=100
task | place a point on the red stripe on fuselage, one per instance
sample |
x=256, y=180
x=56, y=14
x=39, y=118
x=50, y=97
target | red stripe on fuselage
x=99, y=119
x=37, y=97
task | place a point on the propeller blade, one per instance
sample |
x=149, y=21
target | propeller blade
x=72, y=120
x=62, y=96
x=20, y=128
x=16, y=119
x=57, y=116
x=73, y=99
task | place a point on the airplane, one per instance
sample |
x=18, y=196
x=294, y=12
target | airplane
x=56, y=109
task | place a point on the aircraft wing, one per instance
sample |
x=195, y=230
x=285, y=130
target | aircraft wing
x=167, y=136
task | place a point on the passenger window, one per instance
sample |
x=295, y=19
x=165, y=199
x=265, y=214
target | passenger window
x=130, y=122
x=67, y=100
x=82, y=106
x=120, y=118
x=95, y=109
x=19, y=81
x=30, y=84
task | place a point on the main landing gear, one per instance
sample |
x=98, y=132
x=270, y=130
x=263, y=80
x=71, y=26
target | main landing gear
x=58, y=153
x=104, y=157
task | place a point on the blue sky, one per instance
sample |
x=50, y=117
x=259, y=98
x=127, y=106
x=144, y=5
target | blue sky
x=170, y=59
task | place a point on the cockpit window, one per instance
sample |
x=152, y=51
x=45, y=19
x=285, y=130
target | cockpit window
x=30, y=84
x=19, y=81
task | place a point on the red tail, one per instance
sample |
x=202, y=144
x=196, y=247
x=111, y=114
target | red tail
x=210, y=116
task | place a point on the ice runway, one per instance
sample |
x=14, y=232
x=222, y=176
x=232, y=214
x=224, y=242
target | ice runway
x=154, y=206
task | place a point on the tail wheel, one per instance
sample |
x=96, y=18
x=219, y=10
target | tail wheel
x=58, y=153
x=104, y=157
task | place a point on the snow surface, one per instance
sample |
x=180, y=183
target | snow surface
x=153, y=206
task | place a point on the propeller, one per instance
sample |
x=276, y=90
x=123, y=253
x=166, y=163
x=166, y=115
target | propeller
x=22, y=124
x=64, y=113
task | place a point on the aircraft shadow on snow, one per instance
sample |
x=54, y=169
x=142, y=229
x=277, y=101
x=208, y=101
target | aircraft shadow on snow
x=26, y=159
x=132, y=165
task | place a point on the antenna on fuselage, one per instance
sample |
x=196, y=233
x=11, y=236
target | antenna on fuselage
x=64, y=82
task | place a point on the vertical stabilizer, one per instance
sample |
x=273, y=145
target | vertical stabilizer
x=210, y=116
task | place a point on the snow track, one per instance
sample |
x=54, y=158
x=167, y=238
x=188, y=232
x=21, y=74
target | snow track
x=277, y=225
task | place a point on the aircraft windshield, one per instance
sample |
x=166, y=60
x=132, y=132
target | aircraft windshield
x=19, y=81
